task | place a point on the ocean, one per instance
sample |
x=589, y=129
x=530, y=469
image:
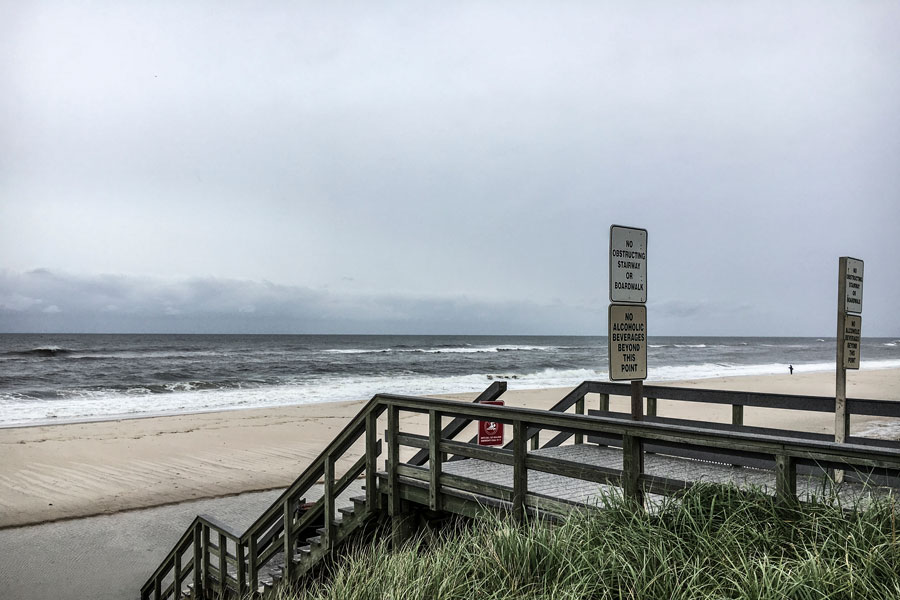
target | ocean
x=65, y=378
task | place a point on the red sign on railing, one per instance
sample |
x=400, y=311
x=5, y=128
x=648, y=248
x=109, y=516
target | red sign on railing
x=489, y=432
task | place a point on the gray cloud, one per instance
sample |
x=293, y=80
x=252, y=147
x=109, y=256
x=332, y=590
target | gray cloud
x=459, y=162
x=45, y=301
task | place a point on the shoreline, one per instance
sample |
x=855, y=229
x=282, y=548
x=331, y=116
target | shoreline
x=62, y=471
x=801, y=369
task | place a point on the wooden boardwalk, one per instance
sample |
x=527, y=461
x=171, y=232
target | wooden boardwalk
x=555, y=462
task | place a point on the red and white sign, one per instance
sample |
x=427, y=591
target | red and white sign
x=489, y=432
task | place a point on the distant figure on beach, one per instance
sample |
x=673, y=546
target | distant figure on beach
x=791, y=369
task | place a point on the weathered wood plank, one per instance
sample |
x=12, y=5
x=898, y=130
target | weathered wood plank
x=253, y=565
x=451, y=483
x=393, y=443
x=412, y=440
x=434, y=460
x=288, y=543
x=579, y=410
x=198, y=555
x=223, y=567
x=520, y=472
x=785, y=478
x=241, y=570
x=330, y=495
x=373, y=451
x=575, y=470
x=632, y=469
x=497, y=455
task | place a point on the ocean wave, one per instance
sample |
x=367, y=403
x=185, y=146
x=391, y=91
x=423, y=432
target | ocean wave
x=41, y=351
x=443, y=349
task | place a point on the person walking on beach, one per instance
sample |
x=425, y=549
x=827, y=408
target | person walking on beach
x=791, y=369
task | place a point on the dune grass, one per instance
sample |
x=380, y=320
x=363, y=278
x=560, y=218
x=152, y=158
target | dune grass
x=714, y=542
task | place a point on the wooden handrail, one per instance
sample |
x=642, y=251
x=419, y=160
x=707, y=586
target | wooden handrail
x=859, y=406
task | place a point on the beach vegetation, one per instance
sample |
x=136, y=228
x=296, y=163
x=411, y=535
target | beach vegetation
x=713, y=542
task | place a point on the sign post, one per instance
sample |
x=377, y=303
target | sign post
x=849, y=333
x=627, y=332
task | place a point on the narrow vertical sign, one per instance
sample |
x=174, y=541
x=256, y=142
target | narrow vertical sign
x=853, y=281
x=852, y=332
x=627, y=264
x=627, y=342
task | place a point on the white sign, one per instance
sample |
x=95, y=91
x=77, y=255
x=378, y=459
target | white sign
x=852, y=333
x=853, y=279
x=627, y=264
x=627, y=342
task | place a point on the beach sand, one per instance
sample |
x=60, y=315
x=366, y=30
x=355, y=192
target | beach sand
x=73, y=470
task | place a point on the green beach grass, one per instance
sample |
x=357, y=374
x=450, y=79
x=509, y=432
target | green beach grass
x=713, y=542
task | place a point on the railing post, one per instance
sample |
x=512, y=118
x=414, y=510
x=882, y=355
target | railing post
x=198, y=560
x=520, y=471
x=536, y=440
x=287, y=519
x=604, y=402
x=632, y=468
x=651, y=407
x=785, y=479
x=178, y=574
x=241, y=569
x=579, y=410
x=737, y=414
x=393, y=444
x=435, y=460
x=253, y=567
x=371, y=459
x=157, y=588
x=329, y=501
x=393, y=461
x=223, y=564
x=206, y=557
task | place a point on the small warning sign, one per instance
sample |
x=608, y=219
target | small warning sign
x=853, y=280
x=490, y=433
x=852, y=335
x=627, y=342
x=627, y=264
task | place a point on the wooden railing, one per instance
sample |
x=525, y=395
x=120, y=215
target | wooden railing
x=738, y=400
x=215, y=559
x=787, y=453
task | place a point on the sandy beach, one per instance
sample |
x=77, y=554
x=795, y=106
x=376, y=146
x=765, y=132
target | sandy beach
x=64, y=471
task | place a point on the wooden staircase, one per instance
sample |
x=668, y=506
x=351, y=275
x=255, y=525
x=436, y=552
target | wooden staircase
x=291, y=538
x=294, y=538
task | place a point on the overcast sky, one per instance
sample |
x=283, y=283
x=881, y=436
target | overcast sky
x=445, y=167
